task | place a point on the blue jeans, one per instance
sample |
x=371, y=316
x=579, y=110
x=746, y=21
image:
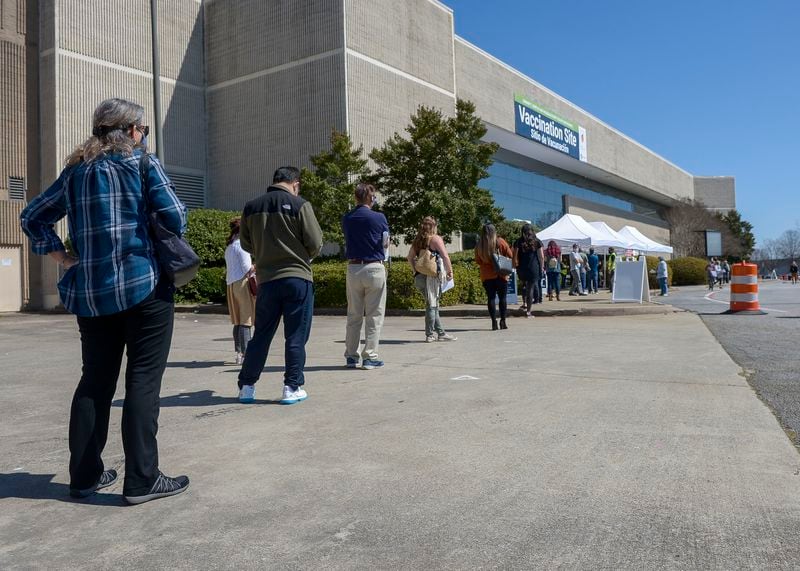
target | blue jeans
x=592, y=280
x=583, y=280
x=292, y=299
x=662, y=283
x=553, y=282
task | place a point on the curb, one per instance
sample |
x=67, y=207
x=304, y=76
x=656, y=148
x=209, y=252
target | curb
x=477, y=311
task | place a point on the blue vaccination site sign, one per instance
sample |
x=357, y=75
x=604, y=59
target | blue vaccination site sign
x=536, y=123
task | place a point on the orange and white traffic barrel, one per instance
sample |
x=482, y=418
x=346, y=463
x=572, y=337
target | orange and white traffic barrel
x=744, y=289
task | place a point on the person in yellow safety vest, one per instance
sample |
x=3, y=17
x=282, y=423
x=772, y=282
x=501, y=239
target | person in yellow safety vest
x=611, y=266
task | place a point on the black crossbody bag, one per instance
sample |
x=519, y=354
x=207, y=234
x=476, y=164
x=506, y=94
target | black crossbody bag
x=175, y=256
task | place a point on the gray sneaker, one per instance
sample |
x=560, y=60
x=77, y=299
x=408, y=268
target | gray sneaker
x=447, y=337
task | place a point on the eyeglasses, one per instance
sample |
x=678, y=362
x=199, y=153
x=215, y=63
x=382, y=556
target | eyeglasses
x=143, y=129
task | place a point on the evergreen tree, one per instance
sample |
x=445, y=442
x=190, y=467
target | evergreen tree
x=330, y=187
x=742, y=230
x=435, y=172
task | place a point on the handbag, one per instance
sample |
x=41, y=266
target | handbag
x=425, y=262
x=252, y=285
x=502, y=264
x=175, y=256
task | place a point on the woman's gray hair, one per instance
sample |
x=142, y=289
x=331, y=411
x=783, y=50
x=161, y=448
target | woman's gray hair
x=110, y=124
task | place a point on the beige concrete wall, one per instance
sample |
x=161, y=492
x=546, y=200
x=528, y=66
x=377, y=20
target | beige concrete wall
x=413, y=36
x=275, y=90
x=492, y=86
x=13, y=100
x=718, y=193
x=93, y=65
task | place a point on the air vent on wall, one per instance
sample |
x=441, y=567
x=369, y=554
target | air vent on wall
x=16, y=188
x=191, y=189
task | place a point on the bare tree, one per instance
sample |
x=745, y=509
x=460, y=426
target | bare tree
x=688, y=219
x=788, y=245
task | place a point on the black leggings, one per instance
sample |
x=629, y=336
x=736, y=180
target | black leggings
x=496, y=287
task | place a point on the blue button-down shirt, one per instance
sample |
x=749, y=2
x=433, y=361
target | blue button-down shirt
x=108, y=227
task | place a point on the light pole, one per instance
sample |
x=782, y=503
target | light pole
x=156, y=82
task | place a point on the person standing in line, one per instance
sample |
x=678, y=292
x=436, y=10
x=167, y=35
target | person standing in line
x=280, y=230
x=611, y=267
x=661, y=275
x=366, y=236
x=553, y=257
x=529, y=262
x=718, y=270
x=711, y=272
x=793, y=272
x=575, y=264
x=494, y=284
x=430, y=286
x=593, y=261
x=115, y=287
x=726, y=268
x=241, y=303
x=584, y=268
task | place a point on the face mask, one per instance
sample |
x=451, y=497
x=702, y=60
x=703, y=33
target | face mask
x=143, y=142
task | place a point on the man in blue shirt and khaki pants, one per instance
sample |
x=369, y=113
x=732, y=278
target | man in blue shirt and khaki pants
x=366, y=235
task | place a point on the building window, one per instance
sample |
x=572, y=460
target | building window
x=191, y=189
x=529, y=195
x=16, y=188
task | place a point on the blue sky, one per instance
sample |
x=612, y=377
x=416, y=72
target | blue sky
x=711, y=85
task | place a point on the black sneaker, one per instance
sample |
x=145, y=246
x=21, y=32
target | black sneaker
x=107, y=478
x=164, y=486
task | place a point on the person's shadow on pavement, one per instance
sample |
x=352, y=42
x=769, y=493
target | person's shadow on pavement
x=41, y=487
x=199, y=398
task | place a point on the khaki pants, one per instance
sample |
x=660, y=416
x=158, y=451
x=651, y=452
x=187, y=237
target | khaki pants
x=366, y=303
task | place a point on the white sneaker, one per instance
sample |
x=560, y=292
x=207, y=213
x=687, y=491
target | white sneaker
x=247, y=394
x=430, y=339
x=447, y=337
x=292, y=397
x=239, y=358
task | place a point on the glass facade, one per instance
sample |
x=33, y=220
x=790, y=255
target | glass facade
x=528, y=195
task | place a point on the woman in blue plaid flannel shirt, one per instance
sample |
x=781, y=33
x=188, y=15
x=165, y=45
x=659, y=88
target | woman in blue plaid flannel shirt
x=113, y=284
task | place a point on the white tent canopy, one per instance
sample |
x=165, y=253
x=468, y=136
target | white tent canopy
x=632, y=234
x=610, y=237
x=570, y=229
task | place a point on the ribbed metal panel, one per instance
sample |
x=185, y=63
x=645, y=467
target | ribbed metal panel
x=247, y=36
x=21, y=15
x=12, y=113
x=191, y=189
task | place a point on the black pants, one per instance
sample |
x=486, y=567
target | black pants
x=531, y=289
x=496, y=287
x=146, y=331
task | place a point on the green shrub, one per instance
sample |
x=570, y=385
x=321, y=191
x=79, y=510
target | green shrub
x=207, y=233
x=208, y=285
x=330, y=288
x=687, y=271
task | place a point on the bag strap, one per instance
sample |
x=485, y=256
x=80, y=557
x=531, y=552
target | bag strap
x=144, y=169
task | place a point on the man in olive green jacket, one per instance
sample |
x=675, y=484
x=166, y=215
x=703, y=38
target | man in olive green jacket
x=281, y=232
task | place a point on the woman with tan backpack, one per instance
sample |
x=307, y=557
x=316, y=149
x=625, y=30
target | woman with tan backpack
x=432, y=268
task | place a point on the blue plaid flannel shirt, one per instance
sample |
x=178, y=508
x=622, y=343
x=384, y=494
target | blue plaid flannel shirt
x=108, y=227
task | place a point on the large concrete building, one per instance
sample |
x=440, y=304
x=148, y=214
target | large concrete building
x=247, y=85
